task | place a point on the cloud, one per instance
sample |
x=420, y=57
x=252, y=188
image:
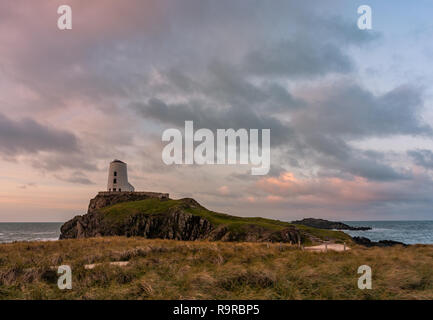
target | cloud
x=355, y=194
x=336, y=115
x=27, y=185
x=76, y=177
x=224, y=190
x=318, y=128
x=28, y=136
x=55, y=162
x=236, y=118
x=128, y=70
x=349, y=111
x=335, y=156
x=298, y=57
x=422, y=157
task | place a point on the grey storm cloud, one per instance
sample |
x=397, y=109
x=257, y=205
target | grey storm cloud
x=336, y=157
x=325, y=128
x=236, y=118
x=316, y=131
x=296, y=58
x=360, y=164
x=225, y=99
x=59, y=161
x=224, y=84
x=76, y=177
x=28, y=136
x=350, y=111
x=422, y=157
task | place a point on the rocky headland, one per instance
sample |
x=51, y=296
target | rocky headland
x=155, y=215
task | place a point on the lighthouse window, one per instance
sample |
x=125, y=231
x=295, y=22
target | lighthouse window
x=115, y=173
x=114, y=180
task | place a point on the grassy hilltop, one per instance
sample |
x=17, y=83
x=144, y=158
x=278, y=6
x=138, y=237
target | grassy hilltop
x=122, y=211
x=186, y=219
x=169, y=269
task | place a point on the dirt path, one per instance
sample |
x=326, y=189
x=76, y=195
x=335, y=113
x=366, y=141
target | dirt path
x=330, y=246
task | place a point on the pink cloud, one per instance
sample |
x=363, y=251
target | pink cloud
x=327, y=191
x=272, y=198
x=224, y=190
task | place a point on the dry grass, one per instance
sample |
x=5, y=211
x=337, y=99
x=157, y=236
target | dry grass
x=164, y=269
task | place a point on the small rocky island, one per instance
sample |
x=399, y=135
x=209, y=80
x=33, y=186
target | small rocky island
x=155, y=215
x=122, y=211
x=382, y=243
x=330, y=225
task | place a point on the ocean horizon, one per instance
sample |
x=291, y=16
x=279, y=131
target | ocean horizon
x=407, y=231
x=29, y=231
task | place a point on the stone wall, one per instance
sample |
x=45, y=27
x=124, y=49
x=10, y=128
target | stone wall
x=137, y=193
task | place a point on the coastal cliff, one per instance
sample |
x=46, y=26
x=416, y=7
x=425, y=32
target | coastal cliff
x=153, y=215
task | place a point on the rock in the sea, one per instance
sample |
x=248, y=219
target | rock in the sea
x=325, y=224
x=382, y=243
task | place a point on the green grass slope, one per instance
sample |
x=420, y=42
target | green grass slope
x=120, y=212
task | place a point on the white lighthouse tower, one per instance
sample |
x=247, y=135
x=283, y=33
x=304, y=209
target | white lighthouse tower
x=118, y=177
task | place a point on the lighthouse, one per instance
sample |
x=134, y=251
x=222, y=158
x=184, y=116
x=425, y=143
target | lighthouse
x=118, y=177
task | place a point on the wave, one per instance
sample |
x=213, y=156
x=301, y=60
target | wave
x=9, y=240
x=46, y=239
x=379, y=229
x=48, y=232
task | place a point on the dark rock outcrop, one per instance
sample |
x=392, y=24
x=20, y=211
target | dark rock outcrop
x=174, y=224
x=382, y=243
x=325, y=224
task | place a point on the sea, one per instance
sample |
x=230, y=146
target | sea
x=29, y=231
x=409, y=232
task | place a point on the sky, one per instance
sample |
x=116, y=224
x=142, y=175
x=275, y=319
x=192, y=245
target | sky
x=350, y=110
